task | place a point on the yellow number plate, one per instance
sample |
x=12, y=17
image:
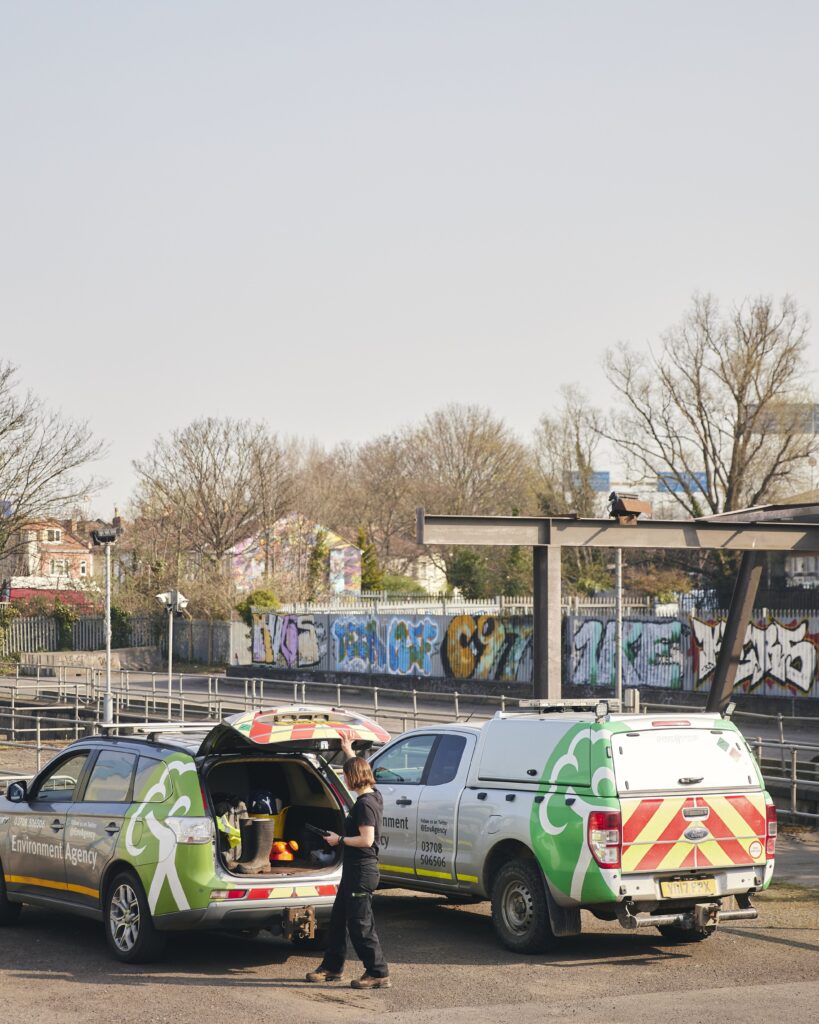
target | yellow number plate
x=688, y=887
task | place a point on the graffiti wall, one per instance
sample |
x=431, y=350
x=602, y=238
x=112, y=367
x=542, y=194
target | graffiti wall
x=775, y=654
x=289, y=641
x=780, y=656
x=653, y=652
x=481, y=647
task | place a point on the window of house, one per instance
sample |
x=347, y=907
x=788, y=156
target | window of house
x=54, y=536
x=59, y=567
x=83, y=568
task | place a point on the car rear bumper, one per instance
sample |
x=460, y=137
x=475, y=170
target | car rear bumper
x=241, y=914
x=726, y=882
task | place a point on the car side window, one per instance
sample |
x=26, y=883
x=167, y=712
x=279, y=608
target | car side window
x=405, y=762
x=60, y=783
x=110, y=780
x=446, y=760
x=145, y=789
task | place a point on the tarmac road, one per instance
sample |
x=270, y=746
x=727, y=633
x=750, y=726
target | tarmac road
x=446, y=965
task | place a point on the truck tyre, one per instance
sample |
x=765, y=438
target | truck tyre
x=520, y=912
x=129, y=928
x=9, y=912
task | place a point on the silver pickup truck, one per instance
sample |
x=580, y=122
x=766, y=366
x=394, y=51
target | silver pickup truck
x=650, y=820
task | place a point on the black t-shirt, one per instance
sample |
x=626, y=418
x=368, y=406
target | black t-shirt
x=367, y=810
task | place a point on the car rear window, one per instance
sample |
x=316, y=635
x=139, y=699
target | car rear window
x=148, y=773
x=682, y=759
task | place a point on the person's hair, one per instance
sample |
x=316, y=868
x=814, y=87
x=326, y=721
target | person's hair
x=358, y=773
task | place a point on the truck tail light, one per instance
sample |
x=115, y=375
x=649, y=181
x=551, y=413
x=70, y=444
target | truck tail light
x=604, y=838
x=770, y=831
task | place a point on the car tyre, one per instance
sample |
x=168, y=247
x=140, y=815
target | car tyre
x=129, y=928
x=9, y=912
x=520, y=909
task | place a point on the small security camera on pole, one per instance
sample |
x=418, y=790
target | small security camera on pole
x=104, y=537
x=174, y=602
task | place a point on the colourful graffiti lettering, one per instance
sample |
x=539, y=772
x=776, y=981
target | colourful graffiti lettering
x=486, y=647
x=652, y=653
x=410, y=644
x=358, y=646
x=292, y=641
x=773, y=653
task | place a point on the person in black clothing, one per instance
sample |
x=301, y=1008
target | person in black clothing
x=352, y=910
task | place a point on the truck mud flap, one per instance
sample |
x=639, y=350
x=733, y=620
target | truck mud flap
x=564, y=920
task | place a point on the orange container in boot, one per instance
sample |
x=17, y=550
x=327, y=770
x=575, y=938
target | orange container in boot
x=283, y=850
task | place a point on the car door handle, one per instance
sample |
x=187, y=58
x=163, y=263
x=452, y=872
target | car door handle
x=57, y=825
x=112, y=828
x=403, y=802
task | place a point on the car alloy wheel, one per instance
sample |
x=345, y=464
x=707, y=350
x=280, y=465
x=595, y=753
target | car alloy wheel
x=124, y=918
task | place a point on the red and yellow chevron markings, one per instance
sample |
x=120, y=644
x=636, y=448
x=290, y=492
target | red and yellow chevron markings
x=732, y=827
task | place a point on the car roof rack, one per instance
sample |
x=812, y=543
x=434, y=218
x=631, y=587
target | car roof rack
x=152, y=729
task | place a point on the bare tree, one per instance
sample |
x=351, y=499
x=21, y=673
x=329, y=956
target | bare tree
x=40, y=453
x=199, y=483
x=273, y=467
x=565, y=443
x=383, y=491
x=468, y=462
x=722, y=407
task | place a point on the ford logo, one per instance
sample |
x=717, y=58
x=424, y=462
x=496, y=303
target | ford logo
x=695, y=833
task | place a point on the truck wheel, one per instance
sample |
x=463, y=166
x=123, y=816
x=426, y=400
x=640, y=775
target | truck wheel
x=9, y=912
x=681, y=935
x=129, y=928
x=520, y=912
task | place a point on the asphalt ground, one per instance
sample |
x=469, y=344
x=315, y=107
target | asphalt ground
x=446, y=967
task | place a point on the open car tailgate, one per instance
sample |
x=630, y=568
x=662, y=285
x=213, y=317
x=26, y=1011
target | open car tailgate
x=292, y=727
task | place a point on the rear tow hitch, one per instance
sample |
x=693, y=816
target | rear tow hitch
x=700, y=917
x=299, y=923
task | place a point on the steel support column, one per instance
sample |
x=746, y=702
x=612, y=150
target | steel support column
x=739, y=617
x=546, y=633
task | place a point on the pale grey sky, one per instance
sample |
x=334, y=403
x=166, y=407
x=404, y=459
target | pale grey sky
x=341, y=215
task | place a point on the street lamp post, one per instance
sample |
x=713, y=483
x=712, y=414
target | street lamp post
x=173, y=601
x=105, y=537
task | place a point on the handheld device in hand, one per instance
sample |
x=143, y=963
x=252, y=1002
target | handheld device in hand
x=314, y=830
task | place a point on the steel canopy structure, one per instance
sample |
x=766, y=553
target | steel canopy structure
x=784, y=528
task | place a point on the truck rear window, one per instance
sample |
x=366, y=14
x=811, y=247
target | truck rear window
x=684, y=759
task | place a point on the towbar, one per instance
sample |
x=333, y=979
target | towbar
x=703, y=915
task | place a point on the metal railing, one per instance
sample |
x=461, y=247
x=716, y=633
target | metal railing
x=35, y=712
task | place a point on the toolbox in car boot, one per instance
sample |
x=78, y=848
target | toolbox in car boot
x=257, y=838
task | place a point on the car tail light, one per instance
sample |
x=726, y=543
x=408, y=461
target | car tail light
x=228, y=894
x=770, y=831
x=604, y=838
x=191, y=831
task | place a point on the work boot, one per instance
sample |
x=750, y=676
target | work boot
x=370, y=981
x=257, y=838
x=322, y=974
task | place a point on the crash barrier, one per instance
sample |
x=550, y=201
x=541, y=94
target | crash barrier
x=780, y=654
x=37, y=713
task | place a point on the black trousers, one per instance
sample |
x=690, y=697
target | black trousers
x=353, y=912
